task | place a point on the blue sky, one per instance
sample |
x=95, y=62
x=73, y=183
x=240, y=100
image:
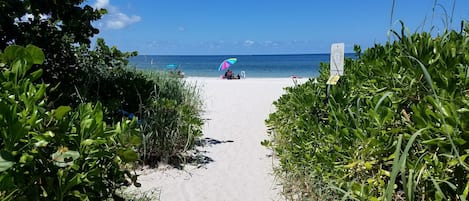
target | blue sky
x=228, y=27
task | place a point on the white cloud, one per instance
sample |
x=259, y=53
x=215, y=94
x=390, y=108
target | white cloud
x=101, y=4
x=115, y=19
x=120, y=20
x=269, y=43
x=248, y=43
x=181, y=28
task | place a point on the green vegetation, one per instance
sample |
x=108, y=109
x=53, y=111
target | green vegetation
x=58, y=154
x=168, y=107
x=395, y=127
x=56, y=27
x=172, y=120
x=75, y=120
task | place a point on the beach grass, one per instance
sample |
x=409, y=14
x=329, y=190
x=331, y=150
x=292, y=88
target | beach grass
x=172, y=121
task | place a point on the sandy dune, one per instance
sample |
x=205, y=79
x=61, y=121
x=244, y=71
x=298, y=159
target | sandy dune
x=238, y=167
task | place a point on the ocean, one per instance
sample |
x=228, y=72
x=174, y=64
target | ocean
x=260, y=66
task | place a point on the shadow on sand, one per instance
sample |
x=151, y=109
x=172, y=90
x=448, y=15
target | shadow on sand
x=210, y=141
x=200, y=157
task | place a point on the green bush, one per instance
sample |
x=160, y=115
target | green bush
x=60, y=154
x=172, y=121
x=103, y=75
x=394, y=127
x=168, y=111
x=168, y=108
x=68, y=23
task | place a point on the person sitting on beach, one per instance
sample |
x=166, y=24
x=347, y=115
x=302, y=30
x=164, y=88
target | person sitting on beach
x=229, y=75
x=180, y=74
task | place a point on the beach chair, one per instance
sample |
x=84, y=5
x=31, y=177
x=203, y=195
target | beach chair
x=242, y=74
x=295, y=79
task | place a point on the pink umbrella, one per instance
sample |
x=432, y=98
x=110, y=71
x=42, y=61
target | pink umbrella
x=227, y=63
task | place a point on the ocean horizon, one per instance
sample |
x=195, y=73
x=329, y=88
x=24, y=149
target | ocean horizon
x=257, y=66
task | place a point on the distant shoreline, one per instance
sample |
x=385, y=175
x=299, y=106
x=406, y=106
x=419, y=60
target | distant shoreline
x=281, y=66
x=235, y=55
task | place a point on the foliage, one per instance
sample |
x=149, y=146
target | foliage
x=168, y=107
x=60, y=154
x=46, y=22
x=172, y=119
x=393, y=128
x=106, y=78
x=54, y=26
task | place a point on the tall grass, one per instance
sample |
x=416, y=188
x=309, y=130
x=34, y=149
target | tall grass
x=172, y=121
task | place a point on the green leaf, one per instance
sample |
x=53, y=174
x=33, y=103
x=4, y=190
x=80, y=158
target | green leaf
x=41, y=143
x=459, y=141
x=439, y=193
x=64, y=157
x=351, y=165
x=10, y=52
x=18, y=69
x=368, y=165
x=87, y=142
x=385, y=95
x=36, y=74
x=395, y=169
x=99, y=112
x=49, y=134
x=22, y=54
x=26, y=158
x=266, y=143
x=434, y=140
x=61, y=111
x=466, y=190
x=36, y=54
x=135, y=140
x=129, y=155
x=41, y=92
x=5, y=165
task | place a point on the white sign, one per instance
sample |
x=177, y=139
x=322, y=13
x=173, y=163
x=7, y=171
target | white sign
x=337, y=59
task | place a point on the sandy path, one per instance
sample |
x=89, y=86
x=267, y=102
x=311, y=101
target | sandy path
x=241, y=168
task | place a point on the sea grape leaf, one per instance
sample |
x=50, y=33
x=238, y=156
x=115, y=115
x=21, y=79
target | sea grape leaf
x=36, y=54
x=10, y=52
x=5, y=165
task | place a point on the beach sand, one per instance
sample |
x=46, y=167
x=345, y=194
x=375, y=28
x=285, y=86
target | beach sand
x=237, y=166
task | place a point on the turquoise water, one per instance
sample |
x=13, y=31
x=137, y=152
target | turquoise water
x=303, y=65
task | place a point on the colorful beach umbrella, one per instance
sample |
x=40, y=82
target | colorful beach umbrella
x=172, y=66
x=227, y=63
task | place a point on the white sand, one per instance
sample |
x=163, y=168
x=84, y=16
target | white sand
x=241, y=169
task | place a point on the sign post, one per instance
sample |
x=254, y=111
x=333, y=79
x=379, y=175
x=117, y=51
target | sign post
x=337, y=63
